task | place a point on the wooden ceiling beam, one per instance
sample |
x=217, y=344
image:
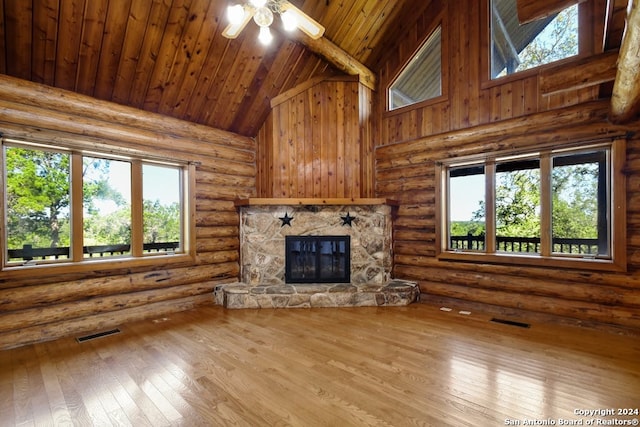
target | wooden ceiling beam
x=625, y=99
x=339, y=58
x=579, y=74
x=529, y=11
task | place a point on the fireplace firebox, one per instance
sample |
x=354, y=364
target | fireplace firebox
x=317, y=259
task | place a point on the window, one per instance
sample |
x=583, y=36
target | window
x=516, y=47
x=517, y=205
x=66, y=206
x=162, y=216
x=466, y=207
x=37, y=194
x=564, y=205
x=106, y=213
x=421, y=79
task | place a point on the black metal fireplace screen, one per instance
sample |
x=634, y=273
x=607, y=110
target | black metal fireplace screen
x=318, y=259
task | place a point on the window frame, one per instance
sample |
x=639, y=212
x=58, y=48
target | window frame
x=441, y=23
x=426, y=51
x=76, y=261
x=617, y=261
x=181, y=187
x=587, y=42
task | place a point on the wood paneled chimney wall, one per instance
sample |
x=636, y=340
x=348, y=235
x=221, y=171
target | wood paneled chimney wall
x=317, y=142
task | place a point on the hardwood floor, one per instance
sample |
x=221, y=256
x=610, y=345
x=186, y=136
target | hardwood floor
x=407, y=366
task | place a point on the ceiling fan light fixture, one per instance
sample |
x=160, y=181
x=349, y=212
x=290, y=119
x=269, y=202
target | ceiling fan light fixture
x=289, y=20
x=312, y=30
x=263, y=17
x=307, y=25
x=262, y=12
x=235, y=28
x=235, y=14
x=265, y=36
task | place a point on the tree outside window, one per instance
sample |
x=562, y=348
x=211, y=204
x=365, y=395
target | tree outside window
x=161, y=188
x=39, y=206
x=567, y=192
x=516, y=47
x=37, y=198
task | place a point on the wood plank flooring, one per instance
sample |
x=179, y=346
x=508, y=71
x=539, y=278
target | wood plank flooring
x=393, y=366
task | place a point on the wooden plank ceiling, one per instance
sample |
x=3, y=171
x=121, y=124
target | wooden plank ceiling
x=169, y=56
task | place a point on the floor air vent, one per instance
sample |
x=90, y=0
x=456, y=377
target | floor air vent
x=98, y=335
x=511, y=323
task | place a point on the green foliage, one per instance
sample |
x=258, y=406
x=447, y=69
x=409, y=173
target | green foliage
x=113, y=228
x=37, y=197
x=103, y=227
x=38, y=203
x=464, y=228
x=95, y=184
x=518, y=203
x=575, y=202
x=558, y=41
x=161, y=222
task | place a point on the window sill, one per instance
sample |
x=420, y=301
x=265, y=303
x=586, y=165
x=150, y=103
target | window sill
x=426, y=103
x=530, y=72
x=575, y=263
x=94, y=266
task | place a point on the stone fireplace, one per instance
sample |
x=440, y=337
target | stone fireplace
x=319, y=234
x=264, y=228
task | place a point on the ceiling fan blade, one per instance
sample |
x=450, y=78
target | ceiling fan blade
x=233, y=30
x=304, y=22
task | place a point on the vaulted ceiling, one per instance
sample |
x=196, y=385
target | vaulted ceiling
x=169, y=56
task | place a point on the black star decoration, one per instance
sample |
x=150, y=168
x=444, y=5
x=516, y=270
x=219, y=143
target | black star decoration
x=348, y=219
x=286, y=219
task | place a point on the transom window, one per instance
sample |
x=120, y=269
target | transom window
x=68, y=206
x=560, y=204
x=421, y=78
x=516, y=47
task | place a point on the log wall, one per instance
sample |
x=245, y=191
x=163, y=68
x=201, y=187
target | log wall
x=560, y=103
x=73, y=302
x=317, y=141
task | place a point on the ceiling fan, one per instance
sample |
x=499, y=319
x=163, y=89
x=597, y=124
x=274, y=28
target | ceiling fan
x=262, y=12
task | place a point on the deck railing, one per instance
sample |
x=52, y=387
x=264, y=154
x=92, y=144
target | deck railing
x=28, y=253
x=526, y=244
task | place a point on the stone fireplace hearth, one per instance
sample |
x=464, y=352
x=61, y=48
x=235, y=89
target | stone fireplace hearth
x=264, y=227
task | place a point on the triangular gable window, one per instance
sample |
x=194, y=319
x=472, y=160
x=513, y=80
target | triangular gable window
x=421, y=79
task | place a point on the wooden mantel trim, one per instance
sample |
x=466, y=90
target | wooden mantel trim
x=257, y=201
